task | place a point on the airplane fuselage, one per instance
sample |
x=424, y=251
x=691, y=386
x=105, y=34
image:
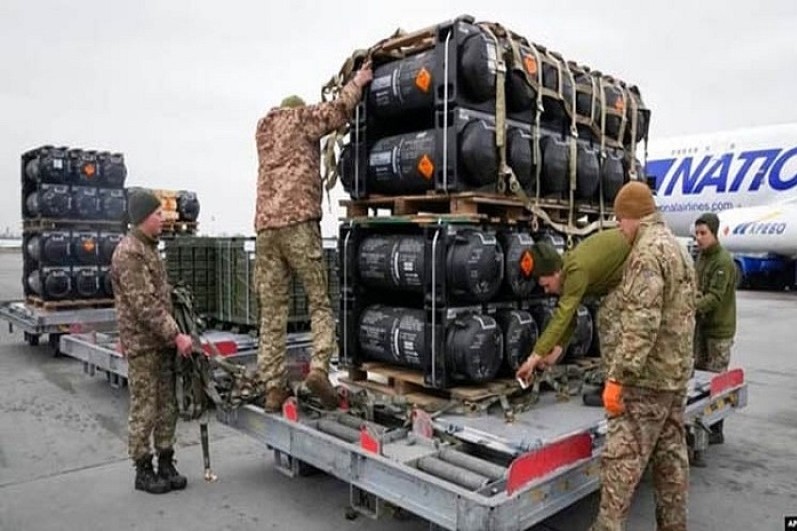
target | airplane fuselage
x=723, y=171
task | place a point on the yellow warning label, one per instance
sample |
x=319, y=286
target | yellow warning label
x=423, y=80
x=526, y=264
x=531, y=65
x=426, y=167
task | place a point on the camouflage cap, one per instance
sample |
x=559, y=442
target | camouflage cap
x=292, y=101
x=547, y=259
x=711, y=220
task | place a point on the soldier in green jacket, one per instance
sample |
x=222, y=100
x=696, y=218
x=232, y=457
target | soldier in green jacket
x=716, y=307
x=592, y=269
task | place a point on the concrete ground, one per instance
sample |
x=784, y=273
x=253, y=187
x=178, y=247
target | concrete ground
x=63, y=458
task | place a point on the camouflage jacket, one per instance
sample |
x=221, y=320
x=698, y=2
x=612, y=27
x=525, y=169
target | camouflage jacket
x=657, y=301
x=289, y=153
x=142, y=295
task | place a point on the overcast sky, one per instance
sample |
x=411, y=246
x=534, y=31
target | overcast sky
x=178, y=86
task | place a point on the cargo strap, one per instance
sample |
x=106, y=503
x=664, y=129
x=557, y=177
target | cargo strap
x=506, y=174
x=603, y=144
x=619, y=113
x=500, y=108
x=536, y=84
x=632, y=172
x=573, y=159
x=333, y=143
x=194, y=384
x=397, y=46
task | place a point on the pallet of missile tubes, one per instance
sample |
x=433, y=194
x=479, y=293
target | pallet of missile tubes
x=470, y=143
x=471, y=118
x=453, y=302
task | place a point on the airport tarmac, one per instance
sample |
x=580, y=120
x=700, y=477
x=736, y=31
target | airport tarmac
x=63, y=461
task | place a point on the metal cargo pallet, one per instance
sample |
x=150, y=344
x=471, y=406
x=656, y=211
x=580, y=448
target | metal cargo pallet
x=467, y=473
x=98, y=351
x=35, y=321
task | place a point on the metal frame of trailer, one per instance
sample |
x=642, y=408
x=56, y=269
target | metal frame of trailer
x=34, y=321
x=459, y=472
x=98, y=351
x=468, y=473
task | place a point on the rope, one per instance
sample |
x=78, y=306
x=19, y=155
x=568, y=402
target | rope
x=193, y=372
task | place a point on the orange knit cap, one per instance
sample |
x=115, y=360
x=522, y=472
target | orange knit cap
x=634, y=201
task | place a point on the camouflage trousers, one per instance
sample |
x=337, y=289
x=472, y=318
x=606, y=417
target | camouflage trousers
x=279, y=253
x=650, y=429
x=712, y=354
x=153, y=401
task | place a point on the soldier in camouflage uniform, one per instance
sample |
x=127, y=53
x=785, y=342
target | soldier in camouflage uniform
x=593, y=269
x=645, y=394
x=287, y=217
x=716, y=309
x=149, y=335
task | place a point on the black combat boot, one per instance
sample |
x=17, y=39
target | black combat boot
x=698, y=459
x=168, y=473
x=147, y=480
x=716, y=436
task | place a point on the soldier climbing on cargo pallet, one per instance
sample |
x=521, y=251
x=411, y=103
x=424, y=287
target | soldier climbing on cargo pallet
x=650, y=365
x=716, y=310
x=593, y=269
x=287, y=217
x=148, y=335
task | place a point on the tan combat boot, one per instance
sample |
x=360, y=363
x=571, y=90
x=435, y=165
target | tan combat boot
x=318, y=383
x=274, y=399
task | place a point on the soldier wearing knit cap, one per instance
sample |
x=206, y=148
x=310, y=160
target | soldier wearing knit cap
x=592, y=269
x=148, y=335
x=650, y=365
x=716, y=309
x=140, y=204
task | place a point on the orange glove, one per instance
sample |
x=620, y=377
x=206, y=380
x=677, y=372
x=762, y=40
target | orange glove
x=612, y=398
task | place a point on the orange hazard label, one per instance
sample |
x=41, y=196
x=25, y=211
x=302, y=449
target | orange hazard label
x=88, y=245
x=89, y=170
x=526, y=263
x=423, y=80
x=619, y=105
x=531, y=65
x=426, y=167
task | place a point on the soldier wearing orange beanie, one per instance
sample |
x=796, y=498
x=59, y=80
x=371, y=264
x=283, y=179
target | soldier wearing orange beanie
x=648, y=359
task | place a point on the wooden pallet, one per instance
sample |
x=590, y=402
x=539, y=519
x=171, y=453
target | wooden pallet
x=473, y=205
x=390, y=380
x=36, y=225
x=72, y=304
x=179, y=227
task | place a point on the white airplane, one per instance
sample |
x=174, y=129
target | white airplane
x=747, y=176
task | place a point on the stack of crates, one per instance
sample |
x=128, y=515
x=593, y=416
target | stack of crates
x=236, y=298
x=221, y=271
x=73, y=210
x=180, y=211
x=192, y=259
